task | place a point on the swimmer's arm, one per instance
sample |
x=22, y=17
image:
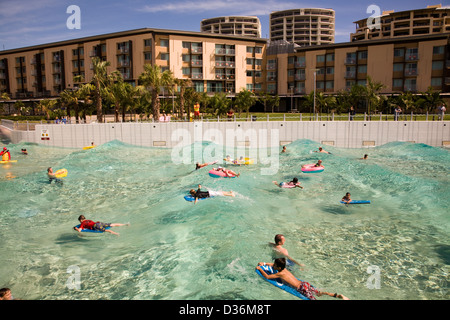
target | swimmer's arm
x=268, y=276
x=298, y=263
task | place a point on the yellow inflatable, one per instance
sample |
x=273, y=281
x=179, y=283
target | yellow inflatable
x=239, y=161
x=61, y=173
x=88, y=147
x=9, y=161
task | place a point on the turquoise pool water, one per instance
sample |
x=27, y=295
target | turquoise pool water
x=174, y=249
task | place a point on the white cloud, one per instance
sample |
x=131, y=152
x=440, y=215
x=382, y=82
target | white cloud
x=263, y=7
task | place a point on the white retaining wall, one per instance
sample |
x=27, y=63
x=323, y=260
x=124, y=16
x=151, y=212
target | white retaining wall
x=343, y=134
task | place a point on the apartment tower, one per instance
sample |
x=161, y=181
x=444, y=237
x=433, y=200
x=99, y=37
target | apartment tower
x=248, y=26
x=304, y=27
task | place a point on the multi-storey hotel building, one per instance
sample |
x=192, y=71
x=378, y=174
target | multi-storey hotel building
x=214, y=63
x=304, y=27
x=405, y=64
x=431, y=20
x=222, y=63
x=248, y=26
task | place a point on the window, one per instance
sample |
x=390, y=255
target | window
x=362, y=69
x=147, y=56
x=147, y=42
x=320, y=85
x=398, y=67
x=329, y=84
x=320, y=71
x=186, y=45
x=186, y=58
x=290, y=72
x=330, y=57
x=397, y=83
x=436, y=82
x=330, y=70
x=362, y=55
x=438, y=50
x=250, y=49
x=437, y=65
x=258, y=50
x=291, y=60
x=164, y=43
x=320, y=58
x=400, y=53
x=165, y=56
x=186, y=71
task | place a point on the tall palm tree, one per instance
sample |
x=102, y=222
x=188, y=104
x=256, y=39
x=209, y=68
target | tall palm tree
x=47, y=106
x=154, y=80
x=244, y=101
x=99, y=81
x=430, y=99
x=5, y=97
x=372, y=94
x=183, y=84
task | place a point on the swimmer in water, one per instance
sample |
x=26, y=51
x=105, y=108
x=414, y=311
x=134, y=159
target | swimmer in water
x=206, y=194
x=294, y=183
x=287, y=277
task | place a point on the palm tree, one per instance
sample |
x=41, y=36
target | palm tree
x=372, y=95
x=244, y=101
x=154, y=80
x=429, y=100
x=183, y=84
x=5, y=97
x=219, y=103
x=46, y=106
x=99, y=81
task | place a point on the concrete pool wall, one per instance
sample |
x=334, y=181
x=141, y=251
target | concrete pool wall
x=342, y=134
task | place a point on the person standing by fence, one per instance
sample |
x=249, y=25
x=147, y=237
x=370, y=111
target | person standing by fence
x=397, y=112
x=441, y=110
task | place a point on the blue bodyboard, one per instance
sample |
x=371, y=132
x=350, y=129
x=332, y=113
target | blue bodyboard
x=191, y=198
x=279, y=284
x=91, y=231
x=357, y=202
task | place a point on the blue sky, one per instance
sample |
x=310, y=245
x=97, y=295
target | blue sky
x=30, y=22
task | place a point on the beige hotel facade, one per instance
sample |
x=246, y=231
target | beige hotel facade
x=223, y=63
x=214, y=63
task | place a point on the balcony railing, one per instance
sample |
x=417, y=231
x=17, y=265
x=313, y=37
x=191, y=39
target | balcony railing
x=300, y=77
x=197, y=76
x=411, y=72
x=411, y=57
x=196, y=62
x=300, y=64
x=350, y=61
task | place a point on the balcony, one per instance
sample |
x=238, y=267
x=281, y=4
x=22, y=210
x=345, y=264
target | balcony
x=220, y=76
x=409, y=87
x=300, y=64
x=197, y=50
x=412, y=57
x=350, y=75
x=197, y=76
x=196, y=63
x=300, y=90
x=350, y=61
x=300, y=77
x=411, y=72
x=271, y=66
